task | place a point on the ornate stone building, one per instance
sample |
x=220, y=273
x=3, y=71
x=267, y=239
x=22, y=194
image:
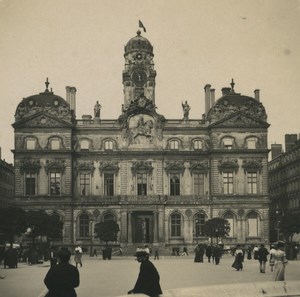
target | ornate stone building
x=7, y=183
x=284, y=183
x=160, y=179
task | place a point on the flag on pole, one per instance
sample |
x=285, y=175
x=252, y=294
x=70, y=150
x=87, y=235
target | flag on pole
x=142, y=26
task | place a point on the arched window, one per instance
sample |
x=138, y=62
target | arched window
x=174, y=144
x=198, y=145
x=252, y=224
x=108, y=145
x=175, y=225
x=84, y=228
x=84, y=144
x=108, y=217
x=199, y=221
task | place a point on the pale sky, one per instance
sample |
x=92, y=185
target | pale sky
x=196, y=42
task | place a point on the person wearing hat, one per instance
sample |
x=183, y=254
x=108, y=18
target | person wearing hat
x=280, y=262
x=148, y=279
x=62, y=278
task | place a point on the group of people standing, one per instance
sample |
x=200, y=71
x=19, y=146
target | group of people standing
x=277, y=260
x=211, y=251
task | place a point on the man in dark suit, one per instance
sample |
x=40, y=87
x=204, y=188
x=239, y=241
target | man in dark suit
x=62, y=278
x=262, y=258
x=148, y=279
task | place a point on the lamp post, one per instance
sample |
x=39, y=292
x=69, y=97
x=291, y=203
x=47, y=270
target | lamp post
x=91, y=234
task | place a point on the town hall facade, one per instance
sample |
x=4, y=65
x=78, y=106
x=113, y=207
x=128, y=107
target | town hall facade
x=160, y=179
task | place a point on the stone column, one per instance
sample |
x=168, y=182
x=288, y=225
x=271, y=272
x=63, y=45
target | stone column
x=155, y=227
x=123, y=226
x=129, y=231
x=161, y=225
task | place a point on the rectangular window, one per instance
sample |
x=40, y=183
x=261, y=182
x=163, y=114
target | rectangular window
x=55, y=183
x=175, y=226
x=30, y=144
x=30, y=183
x=85, y=182
x=228, y=182
x=252, y=182
x=141, y=184
x=109, y=184
x=55, y=144
x=199, y=184
x=174, y=185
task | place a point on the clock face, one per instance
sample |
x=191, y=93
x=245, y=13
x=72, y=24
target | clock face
x=139, y=77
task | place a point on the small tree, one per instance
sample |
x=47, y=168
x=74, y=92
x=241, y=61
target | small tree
x=289, y=225
x=107, y=231
x=216, y=228
x=12, y=223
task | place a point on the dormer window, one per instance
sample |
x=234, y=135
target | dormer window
x=227, y=143
x=55, y=144
x=251, y=143
x=84, y=145
x=174, y=144
x=31, y=144
x=108, y=145
x=198, y=145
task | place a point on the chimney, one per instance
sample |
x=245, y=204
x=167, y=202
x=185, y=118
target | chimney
x=290, y=141
x=207, y=98
x=68, y=94
x=212, y=97
x=256, y=94
x=276, y=150
x=73, y=100
x=226, y=91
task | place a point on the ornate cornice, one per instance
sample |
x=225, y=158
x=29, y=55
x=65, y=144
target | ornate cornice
x=109, y=167
x=175, y=167
x=228, y=164
x=55, y=165
x=85, y=166
x=30, y=166
x=141, y=167
x=252, y=164
x=199, y=167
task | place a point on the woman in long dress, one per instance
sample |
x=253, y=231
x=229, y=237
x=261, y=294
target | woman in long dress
x=280, y=262
x=238, y=260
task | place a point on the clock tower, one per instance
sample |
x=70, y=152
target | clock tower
x=139, y=74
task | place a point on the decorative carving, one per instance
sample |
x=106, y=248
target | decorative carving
x=30, y=165
x=252, y=164
x=241, y=213
x=197, y=167
x=57, y=165
x=141, y=167
x=142, y=129
x=109, y=167
x=85, y=166
x=175, y=167
x=228, y=164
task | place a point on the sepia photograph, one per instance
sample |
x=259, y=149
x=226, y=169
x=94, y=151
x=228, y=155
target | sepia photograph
x=149, y=148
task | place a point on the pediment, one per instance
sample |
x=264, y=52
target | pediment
x=239, y=120
x=42, y=120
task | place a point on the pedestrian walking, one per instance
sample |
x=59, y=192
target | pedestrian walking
x=95, y=253
x=78, y=256
x=62, y=279
x=199, y=252
x=262, y=258
x=185, y=251
x=249, y=250
x=272, y=257
x=255, y=253
x=156, y=255
x=217, y=254
x=148, y=278
x=208, y=252
x=238, y=260
x=53, y=256
x=280, y=262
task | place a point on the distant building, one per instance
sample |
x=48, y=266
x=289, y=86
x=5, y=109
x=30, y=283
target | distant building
x=284, y=182
x=159, y=179
x=7, y=183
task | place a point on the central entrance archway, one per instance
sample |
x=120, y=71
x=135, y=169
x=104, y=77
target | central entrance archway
x=142, y=223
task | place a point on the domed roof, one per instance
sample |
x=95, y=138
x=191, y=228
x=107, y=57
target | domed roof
x=233, y=102
x=138, y=43
x=46, y=101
